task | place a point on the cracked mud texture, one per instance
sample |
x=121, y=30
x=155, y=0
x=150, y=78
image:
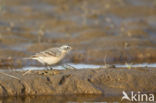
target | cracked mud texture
x=110, y=81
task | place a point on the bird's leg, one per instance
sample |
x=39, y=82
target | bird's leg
x=51, y=68
x=48, y=67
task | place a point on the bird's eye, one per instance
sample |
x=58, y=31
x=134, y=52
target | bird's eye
x=67, y=48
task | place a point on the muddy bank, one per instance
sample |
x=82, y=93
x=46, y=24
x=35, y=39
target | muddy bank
x=112, y=31
x=109, y=82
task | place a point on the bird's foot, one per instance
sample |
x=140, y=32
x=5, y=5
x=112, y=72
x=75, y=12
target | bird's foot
x=49, y=68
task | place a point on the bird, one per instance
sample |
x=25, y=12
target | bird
x=51, y=56
x=125, y=96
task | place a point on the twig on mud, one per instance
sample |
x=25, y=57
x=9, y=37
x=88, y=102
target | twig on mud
x=28, y=71
x=128, y=65
x=106, y=65
x=9, y=75
x=105, y=62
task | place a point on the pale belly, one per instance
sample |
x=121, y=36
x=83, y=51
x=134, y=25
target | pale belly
x=48, y=60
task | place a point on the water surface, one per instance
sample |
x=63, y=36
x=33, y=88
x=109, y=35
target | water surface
x=62, y=99
x=91, y=66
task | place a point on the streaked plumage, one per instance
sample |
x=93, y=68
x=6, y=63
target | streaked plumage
x=52, y=55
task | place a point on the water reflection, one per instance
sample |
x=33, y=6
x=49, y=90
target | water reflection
x=60, y=99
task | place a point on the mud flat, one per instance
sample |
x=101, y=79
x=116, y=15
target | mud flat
x=105, y=81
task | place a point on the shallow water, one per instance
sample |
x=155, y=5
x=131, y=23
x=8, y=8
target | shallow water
x=62, y=99
x=91, y=66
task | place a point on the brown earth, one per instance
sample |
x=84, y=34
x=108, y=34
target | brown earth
x=104, y=30
x=109, y=82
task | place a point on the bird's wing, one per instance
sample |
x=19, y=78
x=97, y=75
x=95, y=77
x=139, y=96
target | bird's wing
x=55, y=52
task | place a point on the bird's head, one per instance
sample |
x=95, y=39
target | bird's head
x=65, y=48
